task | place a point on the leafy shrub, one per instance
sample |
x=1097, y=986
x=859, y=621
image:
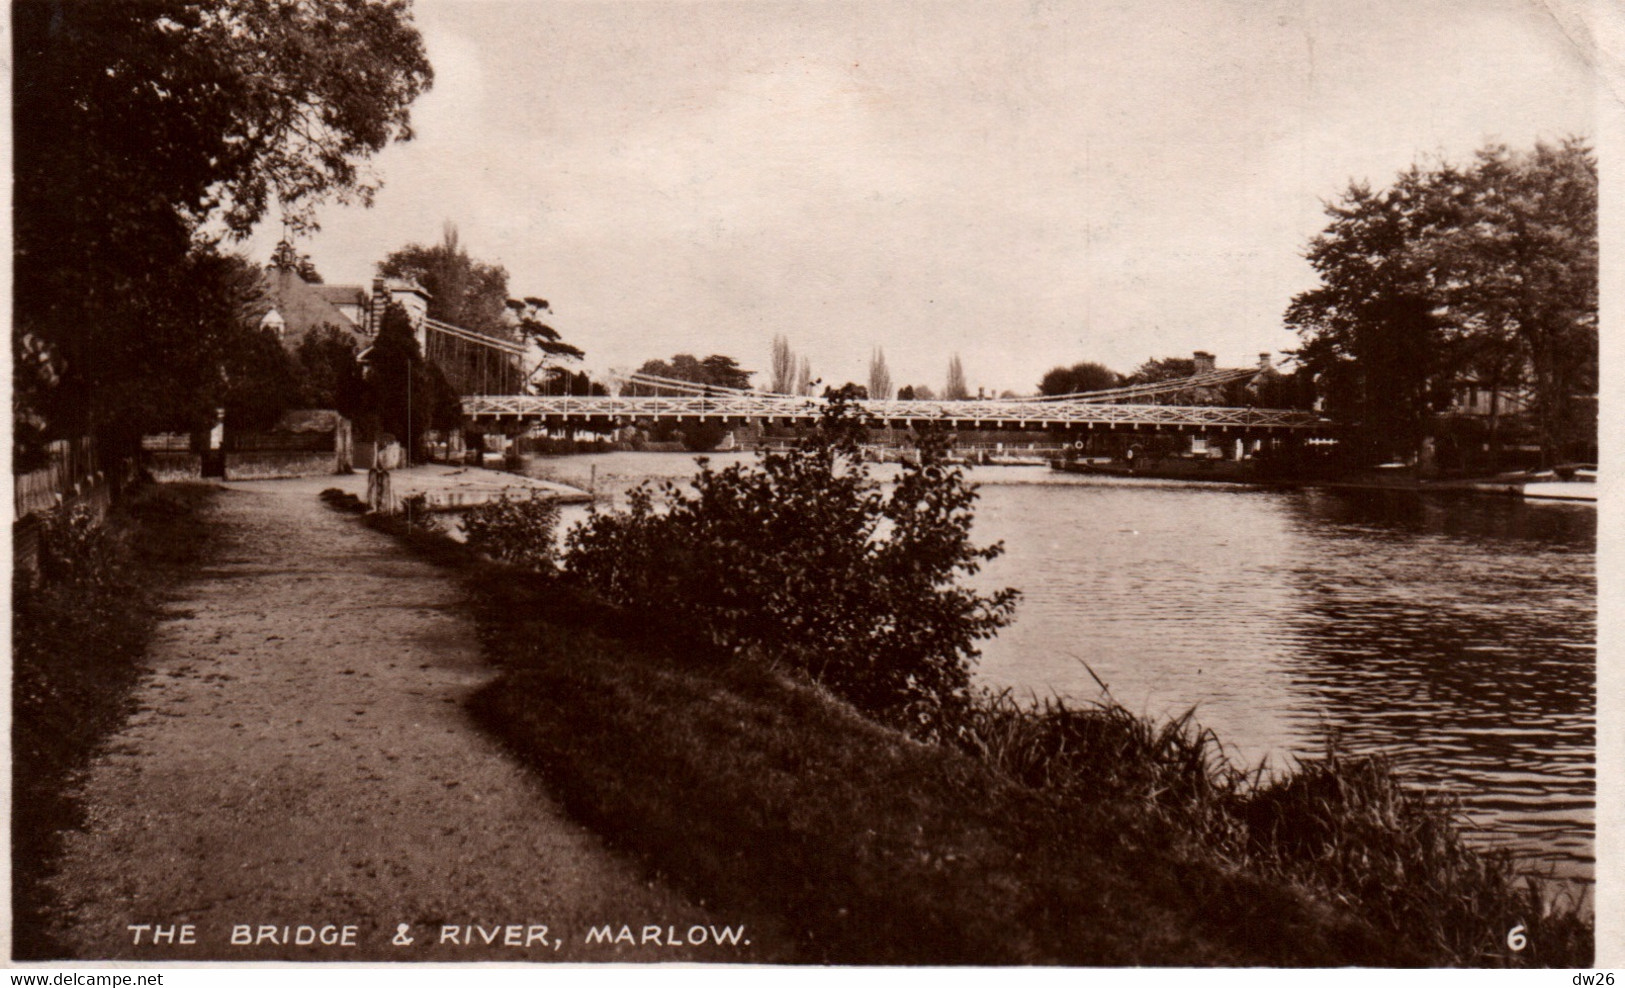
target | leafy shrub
x=418, y=514
x=803, y=558
x=75, y=549
x=513, y=530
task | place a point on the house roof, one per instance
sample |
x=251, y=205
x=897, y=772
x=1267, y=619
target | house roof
x=340, y=294
x=304, y=306
x=397, y=285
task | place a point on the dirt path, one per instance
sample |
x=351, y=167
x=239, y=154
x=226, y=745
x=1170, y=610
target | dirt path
x=301, y=757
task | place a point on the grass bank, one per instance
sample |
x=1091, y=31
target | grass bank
x=1051, y=836
x=78, y=635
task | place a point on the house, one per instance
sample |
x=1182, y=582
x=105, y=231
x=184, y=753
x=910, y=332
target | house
x=294, y=306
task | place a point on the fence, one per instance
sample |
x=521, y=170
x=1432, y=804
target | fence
x=73, y=471
x=73, y=476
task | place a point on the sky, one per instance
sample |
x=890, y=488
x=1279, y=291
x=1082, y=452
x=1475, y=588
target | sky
x=1024, y=184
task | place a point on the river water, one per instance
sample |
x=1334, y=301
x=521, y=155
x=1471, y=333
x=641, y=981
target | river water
x=1456, y=633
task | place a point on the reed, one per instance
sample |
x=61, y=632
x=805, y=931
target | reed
x=1346, y=827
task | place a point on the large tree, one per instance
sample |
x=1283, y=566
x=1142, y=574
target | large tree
x=462, y=291
x=879, y=377
x=330, y=376
x=403, y=394
x=145, y=132
x=1161, y=369
x=715, y=370
x=472, y=294
x=783, y=364
x=1077, y=379
x=804, y=378
x=956, y=389
x=529, y=313
x=1487, y=271
x=1520, y=278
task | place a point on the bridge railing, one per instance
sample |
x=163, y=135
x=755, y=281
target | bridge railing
x=989, y=414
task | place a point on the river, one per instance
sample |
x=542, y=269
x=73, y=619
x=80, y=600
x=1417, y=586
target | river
x=1456, y=633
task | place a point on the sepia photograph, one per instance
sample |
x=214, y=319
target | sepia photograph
x=807, y=482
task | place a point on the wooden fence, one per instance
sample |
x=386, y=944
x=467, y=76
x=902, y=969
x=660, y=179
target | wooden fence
x=73, y=471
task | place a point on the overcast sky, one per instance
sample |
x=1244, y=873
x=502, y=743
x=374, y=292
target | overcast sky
x=1024, y=184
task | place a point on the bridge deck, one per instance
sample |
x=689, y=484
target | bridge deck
x=956, y=414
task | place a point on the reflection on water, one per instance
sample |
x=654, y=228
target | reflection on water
x=1458, y=634
x=1461, y=634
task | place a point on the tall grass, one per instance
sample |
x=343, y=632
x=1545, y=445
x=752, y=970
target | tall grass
x=1347, y=828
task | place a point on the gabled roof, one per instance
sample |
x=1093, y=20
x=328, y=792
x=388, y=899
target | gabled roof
x=304, y=306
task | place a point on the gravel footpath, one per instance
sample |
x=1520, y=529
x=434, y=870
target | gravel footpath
x=300, y=756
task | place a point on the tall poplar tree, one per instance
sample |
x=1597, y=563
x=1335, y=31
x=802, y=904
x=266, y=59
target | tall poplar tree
x=879, y=377
x=955, y=389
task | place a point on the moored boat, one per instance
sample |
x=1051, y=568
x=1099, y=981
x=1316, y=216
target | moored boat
x=1570, y=482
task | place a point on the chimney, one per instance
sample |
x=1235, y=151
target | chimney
x=1203, y=362
x=1263, y=361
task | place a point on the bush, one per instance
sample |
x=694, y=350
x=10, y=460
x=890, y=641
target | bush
x=75, y=549
x=513, y=530
x=78, y=634
x=802, y=558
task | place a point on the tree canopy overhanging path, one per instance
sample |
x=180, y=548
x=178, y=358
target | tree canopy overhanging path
x=300, y=755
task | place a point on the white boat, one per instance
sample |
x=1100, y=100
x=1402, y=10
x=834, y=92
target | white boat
x=1576, y=483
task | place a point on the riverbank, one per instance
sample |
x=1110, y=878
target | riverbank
x=1206, y=469
x=445, y=487
x=718, y=792
x=761, y=791
x=752, y=789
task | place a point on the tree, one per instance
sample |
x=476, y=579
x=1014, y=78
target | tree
x=783, y=368
x=473, y=295
x=330, y=375
x=191, y=351
x=1520, y=273
x=462, y=291
x=955, y=389
x=1078, y=379
x=262, y=382
x=804, y=378
x=879, y=376
x=404, y=395
x=715, y=370
x=726, y=372
x=145, y=132
x=544, y=341
x=1370, y=329
x=1489, y=270
x=1157, y=369
x=916, y=392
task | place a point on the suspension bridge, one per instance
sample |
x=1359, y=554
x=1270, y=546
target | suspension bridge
x=490, y=375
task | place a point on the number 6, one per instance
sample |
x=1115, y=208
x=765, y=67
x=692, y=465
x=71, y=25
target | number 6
x=1515, y=938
